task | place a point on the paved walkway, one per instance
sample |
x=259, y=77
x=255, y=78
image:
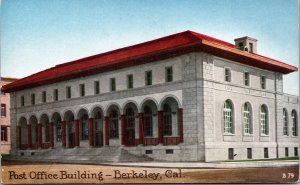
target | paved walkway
x=244, y=164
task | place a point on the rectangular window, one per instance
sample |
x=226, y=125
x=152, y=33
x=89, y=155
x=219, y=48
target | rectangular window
x=249, y=153
x=169, y=74
x=266, y=153
x=246, y=79
x=296, y=151
x=55, y=94
x=2, y=92
x=22, y=101
x=286, y=152
x=250, y=47
x=3, y=133
x=97, y=87
x=129, y=81
x=3, y=110
x=148, y=78
x=112, y=84
x=227, y=75
x=68, y=95
x=263, y=82
x=148, y=152
x=82, y=89
x=230, y=153
x=169, y=151
x=32, y=99
x=44, y=96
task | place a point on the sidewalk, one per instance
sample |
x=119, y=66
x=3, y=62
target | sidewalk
x=191, y=165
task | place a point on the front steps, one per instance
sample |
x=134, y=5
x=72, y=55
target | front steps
x=105, y=154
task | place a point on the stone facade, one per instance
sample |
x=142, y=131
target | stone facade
x=196, y=97
x=5, y=118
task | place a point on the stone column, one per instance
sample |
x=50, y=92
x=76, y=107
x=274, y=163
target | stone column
x=160, y=115
x=64, y=133
x=106, y=119
x=91, y=131
x=180, y=125
x=29, y=136
x=51, y=135
x=40, y=135
x=77, y=133
x=19, y=136
x=123, y=129
x=141, y=127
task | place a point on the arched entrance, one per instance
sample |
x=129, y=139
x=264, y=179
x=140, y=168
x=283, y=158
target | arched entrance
x=130, y=127
x=44, y=120
x=24, y=133
x=34, y=131
x=69, y=118
x=56, y=119
x=131, y=124
x=83, y=124
x=98, y=127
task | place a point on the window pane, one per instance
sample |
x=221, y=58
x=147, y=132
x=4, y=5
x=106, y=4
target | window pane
x=285, y=122
x=228, y=119
x=97, y=87
x=112, y=84
x=148, y=77
x=3, y=110
x=169, y=74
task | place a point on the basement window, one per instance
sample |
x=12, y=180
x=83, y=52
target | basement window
x=148, y=152
x=169, y=151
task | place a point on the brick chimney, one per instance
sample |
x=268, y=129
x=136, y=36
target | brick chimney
x=246, y=44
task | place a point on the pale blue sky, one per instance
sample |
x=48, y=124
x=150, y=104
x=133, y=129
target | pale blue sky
x=38, y=34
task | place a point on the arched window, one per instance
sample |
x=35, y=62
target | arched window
x=228, y=117
x=148, y=122
x=295, y=123
x=285, y=123
x=167, y=120
x=114, y=124
x=247, y=118
x=264, y=120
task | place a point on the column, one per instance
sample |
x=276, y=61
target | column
x=77, y=133
x=106, y=119
x=19, y=136
x=51, y=135
x=40, y=135
x=29, y=136
x=64, y=133
x=141, y=127
x=160, y=127
x=180, y=124
x=91, y=131
x=123, y=129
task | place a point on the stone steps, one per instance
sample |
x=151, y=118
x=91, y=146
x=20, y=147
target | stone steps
x=81, y=155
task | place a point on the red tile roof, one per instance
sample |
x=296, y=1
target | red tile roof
x=154, y=50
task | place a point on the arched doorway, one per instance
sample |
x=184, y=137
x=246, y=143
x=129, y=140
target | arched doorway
x=170, y=117
x=130, y=127
x=57, y=128
x=70, y=130
x=83, y=124
x=34, y=131
x=44, y=120
x=113, y=121
x=24, y=132
x=98, y=127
